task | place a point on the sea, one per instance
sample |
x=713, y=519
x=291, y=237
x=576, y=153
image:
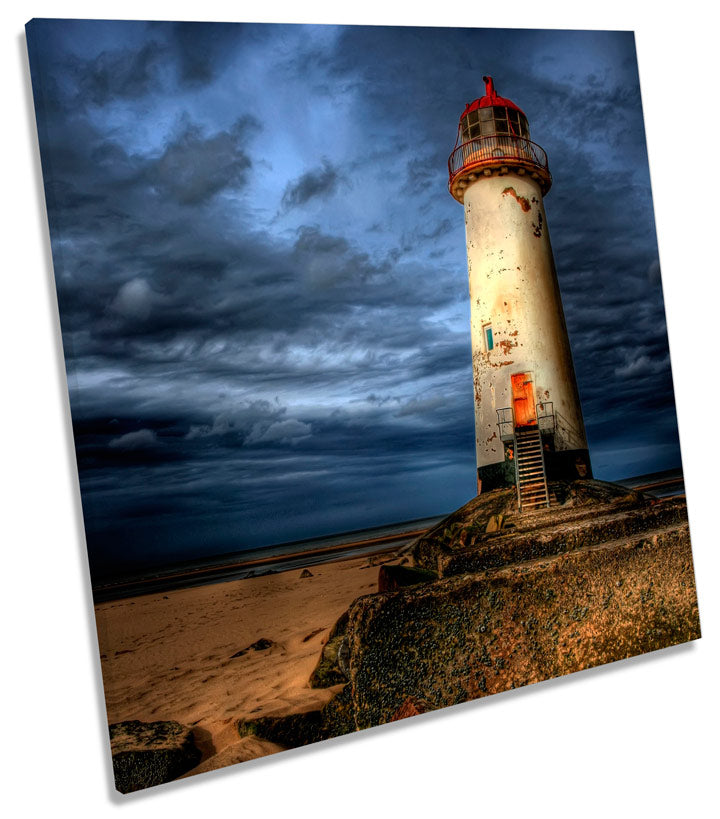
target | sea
x=300, y=554
x=657, y=484
x=295, y=554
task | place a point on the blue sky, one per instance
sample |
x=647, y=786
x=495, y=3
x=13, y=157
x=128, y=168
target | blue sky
x=262, y=278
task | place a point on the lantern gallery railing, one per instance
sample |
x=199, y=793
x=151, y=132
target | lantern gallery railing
x=492, y=150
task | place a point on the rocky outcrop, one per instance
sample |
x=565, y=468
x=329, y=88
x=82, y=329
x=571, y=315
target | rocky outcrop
x=466, y=637
x=392, y=577
x=493, y=517
x=566, y=531
x=497, y=600
x=150, y=753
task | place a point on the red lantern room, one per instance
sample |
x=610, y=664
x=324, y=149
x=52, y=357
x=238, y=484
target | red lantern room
x=494, y=137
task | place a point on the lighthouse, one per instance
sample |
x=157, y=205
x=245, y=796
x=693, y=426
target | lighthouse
x=528, y=421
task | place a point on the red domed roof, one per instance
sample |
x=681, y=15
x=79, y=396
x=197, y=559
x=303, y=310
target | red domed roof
x=490, y=98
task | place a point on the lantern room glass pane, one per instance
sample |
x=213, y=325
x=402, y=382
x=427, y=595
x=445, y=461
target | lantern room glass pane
x=494, y=120
x=501, y=124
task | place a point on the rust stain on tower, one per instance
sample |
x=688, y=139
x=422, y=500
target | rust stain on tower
x=521, y=200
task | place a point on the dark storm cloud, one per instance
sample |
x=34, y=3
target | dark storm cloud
x=318, y=182
x=119, y=74
x=262, y=278
x=194, y=168
x=132, y=262
x=203, y=49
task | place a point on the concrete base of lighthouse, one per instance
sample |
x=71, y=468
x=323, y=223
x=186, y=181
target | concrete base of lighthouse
x=563, y=465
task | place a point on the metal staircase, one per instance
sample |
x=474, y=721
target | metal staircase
x=530, y=469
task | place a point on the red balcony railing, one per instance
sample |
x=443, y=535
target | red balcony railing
x=492, y=150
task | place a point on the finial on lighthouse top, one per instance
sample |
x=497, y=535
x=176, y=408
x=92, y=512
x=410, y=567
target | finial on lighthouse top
x=491, y=98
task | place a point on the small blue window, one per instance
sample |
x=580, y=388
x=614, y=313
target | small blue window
x=488, y=337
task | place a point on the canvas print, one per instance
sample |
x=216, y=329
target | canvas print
x=355, y=439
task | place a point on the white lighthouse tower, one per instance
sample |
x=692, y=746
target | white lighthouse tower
x=528, y=421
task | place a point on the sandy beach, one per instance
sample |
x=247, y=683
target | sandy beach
x=169, y=656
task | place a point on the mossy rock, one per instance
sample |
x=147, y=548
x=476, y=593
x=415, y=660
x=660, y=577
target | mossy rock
x=295, y=730
x=151, y=753
x=338, y=716
x=328, y=671
x=290, y=731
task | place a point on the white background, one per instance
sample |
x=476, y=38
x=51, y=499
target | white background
x=637, y=738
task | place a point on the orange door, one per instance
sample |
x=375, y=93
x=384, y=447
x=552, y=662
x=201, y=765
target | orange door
x=523, y=399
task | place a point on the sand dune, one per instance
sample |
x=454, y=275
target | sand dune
x=170, y=656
